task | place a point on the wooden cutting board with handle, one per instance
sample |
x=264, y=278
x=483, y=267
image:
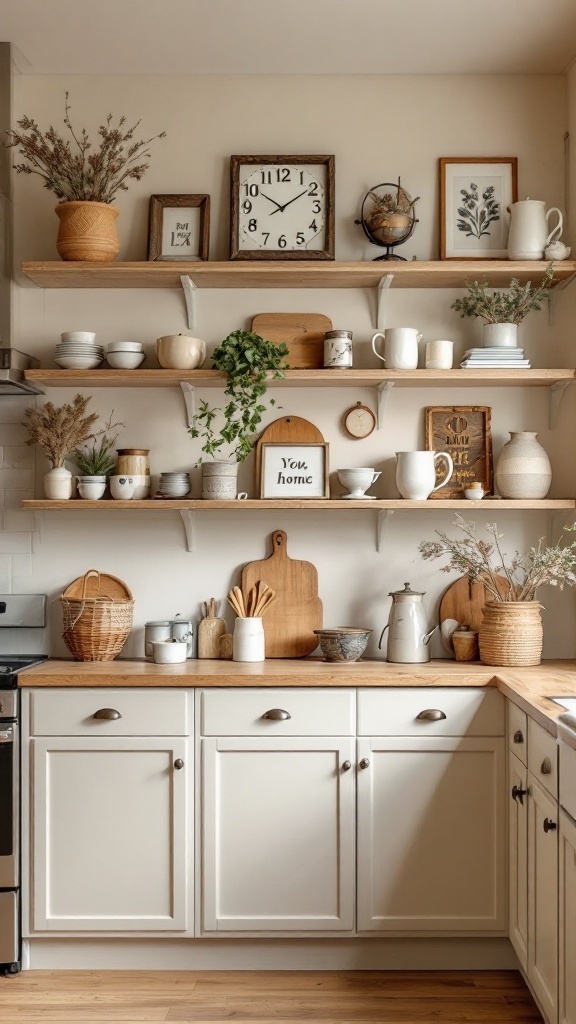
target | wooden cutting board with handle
x=464, y=602
x=285, y=430
x=297, y=611
x=302, y=333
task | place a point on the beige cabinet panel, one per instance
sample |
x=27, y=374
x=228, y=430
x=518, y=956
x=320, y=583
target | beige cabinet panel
x=517, y=728
x=543, y=757
x=268, y=712
x=567, y=986
x=406, y=711
x=543, y=898
x=431, y=835
x=278, y=835
x=109, y=840
x=518, y=858
x=70, y=711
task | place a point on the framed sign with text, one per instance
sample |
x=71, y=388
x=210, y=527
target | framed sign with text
x=179, y=227
x=465, y=432
x=294, y=471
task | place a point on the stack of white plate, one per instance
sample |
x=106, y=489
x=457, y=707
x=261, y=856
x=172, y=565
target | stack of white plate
x=174, y=485
x=124, y=355
x=78, y=351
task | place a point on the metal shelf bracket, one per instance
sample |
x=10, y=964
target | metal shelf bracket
x=190, y=290
x=189, y=393
x=188, y=521
x=383, y=519
x=384, y=392
x=556, y=393
x=383, y=288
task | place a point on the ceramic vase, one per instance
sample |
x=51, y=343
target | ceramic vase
x=500, y=335
x=248, y=641
x=511, y=633
x=87, y=231
x=219, y=480
x=523, y=470
x=58, y=484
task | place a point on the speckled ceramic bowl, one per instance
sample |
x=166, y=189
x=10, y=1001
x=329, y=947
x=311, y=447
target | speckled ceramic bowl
x=343, y=644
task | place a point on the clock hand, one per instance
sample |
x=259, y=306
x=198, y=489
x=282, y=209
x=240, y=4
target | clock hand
x=272, y=201
x=282, y=208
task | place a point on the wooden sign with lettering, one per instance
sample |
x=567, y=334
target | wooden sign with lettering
x=464, y=432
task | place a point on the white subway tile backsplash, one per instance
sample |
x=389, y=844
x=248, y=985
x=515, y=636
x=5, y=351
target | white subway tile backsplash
x=13, y=497
x=17, y=456
x=15, y=543
x=12, y=407
x=21, y=565
x=6, y=582
x=21, y=477
x=18, y=522
x=13, y=434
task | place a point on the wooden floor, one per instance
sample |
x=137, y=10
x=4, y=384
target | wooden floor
x=322, y=997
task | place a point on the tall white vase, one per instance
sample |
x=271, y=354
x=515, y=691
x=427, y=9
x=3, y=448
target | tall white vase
x=58, y=484
x=523, y=469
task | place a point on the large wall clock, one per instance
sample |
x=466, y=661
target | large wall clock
x=282, y=208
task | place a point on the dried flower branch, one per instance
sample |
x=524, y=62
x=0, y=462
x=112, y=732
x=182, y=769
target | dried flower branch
x=504, y=307
x=95, y=459
x=69, y=168
x=483, y=561
x=59, y=429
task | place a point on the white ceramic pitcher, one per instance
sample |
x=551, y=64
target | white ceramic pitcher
x=400, y=347
x=416, y=473
x=530, y=229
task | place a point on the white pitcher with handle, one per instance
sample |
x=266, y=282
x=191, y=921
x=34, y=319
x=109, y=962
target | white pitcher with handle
x=530, y=229
x=416, y=473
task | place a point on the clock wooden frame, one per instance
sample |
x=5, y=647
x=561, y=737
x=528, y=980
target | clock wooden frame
x=236, y=253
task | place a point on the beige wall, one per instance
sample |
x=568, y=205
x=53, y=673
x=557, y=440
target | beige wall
x=378, y=127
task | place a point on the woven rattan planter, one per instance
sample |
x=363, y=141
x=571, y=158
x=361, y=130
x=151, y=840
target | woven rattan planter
x=87, y=231
x=511, y=633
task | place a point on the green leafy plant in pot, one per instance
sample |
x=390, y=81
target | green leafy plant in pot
x=94, y=460
x=503, y=311
x=249, y=362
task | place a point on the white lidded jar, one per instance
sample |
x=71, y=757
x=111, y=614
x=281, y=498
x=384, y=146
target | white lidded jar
x=248, y=639
x=523, y=469
x=160, y=629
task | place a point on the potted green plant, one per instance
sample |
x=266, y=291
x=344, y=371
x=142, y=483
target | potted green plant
x=511, y=631
x=58, y=430
x=94, y=461
x=85, y=179
x=502, y=312
x=249, y=362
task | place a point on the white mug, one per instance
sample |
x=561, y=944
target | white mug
x=416, y=473
x=439, y=355
x=400, y=347
x=121, y=487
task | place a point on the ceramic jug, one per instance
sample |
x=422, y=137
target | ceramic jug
x=408, y=636
x=416, y=473
x=530, y=229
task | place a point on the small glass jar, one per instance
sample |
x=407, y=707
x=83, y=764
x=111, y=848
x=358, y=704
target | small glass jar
x=338, y=350
x=248, y=639
x=158, y=630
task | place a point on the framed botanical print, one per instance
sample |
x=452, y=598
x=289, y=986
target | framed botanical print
x=475, y=196
x=179, y=227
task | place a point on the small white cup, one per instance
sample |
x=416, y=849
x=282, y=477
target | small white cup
x=439, y=355
x=121, y=487
x=400, y=347
x=474, y=492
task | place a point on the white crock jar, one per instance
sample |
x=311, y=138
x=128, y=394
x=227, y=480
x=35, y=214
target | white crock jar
x=161, y=629
x=248, y=639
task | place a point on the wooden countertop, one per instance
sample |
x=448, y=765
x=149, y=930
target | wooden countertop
x=527, y=687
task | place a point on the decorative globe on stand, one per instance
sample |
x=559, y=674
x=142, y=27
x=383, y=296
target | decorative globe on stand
x=387, y=217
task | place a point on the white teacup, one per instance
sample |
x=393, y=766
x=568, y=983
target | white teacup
x=400, y=347
x=439, y=355
x=121, y=487
x=180, y=352
x=357, y=481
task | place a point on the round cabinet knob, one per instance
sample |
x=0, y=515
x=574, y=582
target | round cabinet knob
x=549, y=826
x=430, y=715
x=346, y=766
x=364, y=763
x=518, y=793
x=277, y=715
x=546, y=766
x=519, y=736
x=107, y=715
x=178, y=763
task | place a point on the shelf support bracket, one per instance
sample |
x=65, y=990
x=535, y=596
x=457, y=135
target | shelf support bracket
x=190, y=290
x=383, y=288
x=384, y=392
x=383, y=519
x=188, y=520
x=189, y=394
x=556, y=393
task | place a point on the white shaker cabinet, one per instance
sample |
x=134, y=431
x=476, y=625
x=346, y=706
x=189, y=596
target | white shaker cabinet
x=567, y=986
x=518, y=857
x=543, y=898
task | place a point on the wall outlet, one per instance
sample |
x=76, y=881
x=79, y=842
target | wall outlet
x=22, y=610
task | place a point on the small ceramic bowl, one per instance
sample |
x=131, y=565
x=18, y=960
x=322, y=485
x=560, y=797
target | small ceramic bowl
x=125, y=360
x=343, y=644
x=124, y=346
x=84, y=337
x=168, y=652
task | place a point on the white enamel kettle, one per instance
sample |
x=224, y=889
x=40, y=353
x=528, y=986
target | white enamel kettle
x=408, y=636
x=529, y=229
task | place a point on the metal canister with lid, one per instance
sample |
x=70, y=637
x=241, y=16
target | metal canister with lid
x=161, y=629
x=338, y=350
x=184, y=629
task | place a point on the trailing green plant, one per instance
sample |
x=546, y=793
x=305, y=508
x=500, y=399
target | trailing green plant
x=69, y=168
x=249, y=361
x=509, y=307
x=59, y=429
x=552, y=565
x=95, y=459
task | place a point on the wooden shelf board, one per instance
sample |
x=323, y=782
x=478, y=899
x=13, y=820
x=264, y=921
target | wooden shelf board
x=331, y=505
x=290, y=274
x=301, y=378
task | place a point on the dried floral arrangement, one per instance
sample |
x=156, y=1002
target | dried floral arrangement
x=94, y=459
x=59, y=429
x=482, y=561
x=72, y=168
x=509, y=307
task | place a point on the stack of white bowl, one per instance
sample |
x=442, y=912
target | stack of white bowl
x=78, y=351
x=174, y=485
x=124, y=355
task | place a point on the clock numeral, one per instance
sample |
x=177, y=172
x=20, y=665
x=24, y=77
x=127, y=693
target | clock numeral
x=266, y=177
x=301, y=177
x=247, y=206
x=313, y=191
x=283, y=174
x=282, y=243
x=300, y=238
x=252, y=224
x=316, y=206
x=265, y=236
x=251, y=190
x=313, y=226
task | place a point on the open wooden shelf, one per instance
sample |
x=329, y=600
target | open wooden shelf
x=287, y=505
x=106, y=378
x=291, y=274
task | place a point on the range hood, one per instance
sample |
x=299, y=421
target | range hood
x=12, y=366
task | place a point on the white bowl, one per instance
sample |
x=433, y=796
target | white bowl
x=85, y=337
x=77, y=362
x=125, y=346
x=166, y=652
x=125, y=360
x=141, y=486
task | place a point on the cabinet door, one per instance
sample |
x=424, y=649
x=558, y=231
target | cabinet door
x=518, y=857
x=567, y=987
x=543, y=898
x=431, y=835
x=109, y=834
x=278, y=834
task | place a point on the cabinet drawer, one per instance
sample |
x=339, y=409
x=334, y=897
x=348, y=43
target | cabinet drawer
x=285, y=712
x=518, y=732
x=70, y=712
x=431, y=711
x=543, y=757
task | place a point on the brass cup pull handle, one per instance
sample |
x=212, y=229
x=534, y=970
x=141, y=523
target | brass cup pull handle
x=519, y=736
x=518, y=793
x=277, y=715
x=178, y=763
x=107, y=715
x=431, y=715
x=546, y=766
x=549, y=826
x=346, y=766
x=364, y=763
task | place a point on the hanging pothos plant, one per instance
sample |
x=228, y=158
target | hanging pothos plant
x=250, y=362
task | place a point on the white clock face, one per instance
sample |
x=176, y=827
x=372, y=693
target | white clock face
x=282, y=207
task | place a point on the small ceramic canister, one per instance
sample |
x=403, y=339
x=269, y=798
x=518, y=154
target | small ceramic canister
x=248, y=639
x=121, y=487
x=338, y=350
x=158, y=630
x=439, y=355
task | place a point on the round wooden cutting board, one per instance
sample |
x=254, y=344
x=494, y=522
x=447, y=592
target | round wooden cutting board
x=464, y=602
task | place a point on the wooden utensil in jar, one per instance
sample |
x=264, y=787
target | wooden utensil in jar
x=210, y=630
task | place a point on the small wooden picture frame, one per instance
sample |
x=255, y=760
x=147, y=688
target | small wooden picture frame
x=179, y=227
x=475, y=193
x=465, y=432
x=295, y=471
